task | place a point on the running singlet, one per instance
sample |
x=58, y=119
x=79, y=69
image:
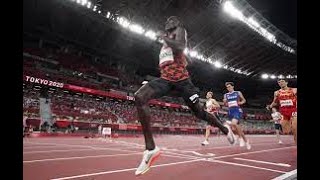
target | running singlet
x=172, y=64
x=210, y=108
x=287, y=101
x=232, y=99
x=235, y=112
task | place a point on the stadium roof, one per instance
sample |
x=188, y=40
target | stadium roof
x=217, y=35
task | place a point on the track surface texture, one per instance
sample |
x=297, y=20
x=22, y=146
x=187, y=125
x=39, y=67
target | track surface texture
x=182, y=157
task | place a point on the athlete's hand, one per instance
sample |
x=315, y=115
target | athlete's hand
x=268, y=107
x=160, y=34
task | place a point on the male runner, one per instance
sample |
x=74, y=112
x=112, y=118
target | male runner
x=212, y=106
x=286, y=98
x=233, y=99
x=174, y=76
x=276, y=118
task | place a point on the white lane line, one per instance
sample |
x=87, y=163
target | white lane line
x=286, y=175
x=50, y=151
x=255, y=152
x=123, y=170
x=78, y=157
x=264, y=162
x=243, y=165
x=86, y=146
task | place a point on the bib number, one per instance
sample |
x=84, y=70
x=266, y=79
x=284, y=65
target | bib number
x=166, y=56
x=284, y=103
x=232, y=103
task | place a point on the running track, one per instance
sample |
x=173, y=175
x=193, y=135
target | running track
x=57, y=158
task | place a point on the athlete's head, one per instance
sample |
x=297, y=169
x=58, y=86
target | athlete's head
x=209, y=95
x=274, y=109
x=283, y=83
x=172, y=23
x=229, y=86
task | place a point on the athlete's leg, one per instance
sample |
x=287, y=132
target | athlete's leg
x=237, y=128
x=208, y=129
x=207, y=134
x=153, y=89
x=278, y=128
x=294, y=128
x=191, y=97
x=286, y=125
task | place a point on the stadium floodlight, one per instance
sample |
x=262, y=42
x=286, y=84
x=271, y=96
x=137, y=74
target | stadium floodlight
x=239, y=71
x=84, y=2
x=253, y=22
x=263, y=31
x=99, y=11
x=280, y=76
x=193, y=53
x=270, y=36
x=94, y=8
x=234, y=12
x=89, y=5
x=123, y=22
x=108, y=15
x=272, y=76
x=295, y=76
x=150, y=34
x=217, y=64
x=78, y=1
x=225, y=67
x=136, y=28
x=265, y=76
x=289, y=76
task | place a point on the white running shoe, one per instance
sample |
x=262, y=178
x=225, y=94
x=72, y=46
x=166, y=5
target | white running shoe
x=230, y=135
x=248, y=145
x=280, y=142
x=205, y=142
x=241, y=142
x=236, y=139
x=147, y=160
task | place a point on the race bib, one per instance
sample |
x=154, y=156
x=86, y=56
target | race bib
x=286, y=103
x=232, y=103
x=165, y=56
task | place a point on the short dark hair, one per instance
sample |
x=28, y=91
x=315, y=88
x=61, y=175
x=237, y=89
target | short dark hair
x=279, y=79
x=177, y=19
x=231, y=83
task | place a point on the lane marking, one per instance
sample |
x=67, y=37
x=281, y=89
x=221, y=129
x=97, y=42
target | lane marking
x=123, y=170
x=286, y=175
x=79, y=157
x=264, y=162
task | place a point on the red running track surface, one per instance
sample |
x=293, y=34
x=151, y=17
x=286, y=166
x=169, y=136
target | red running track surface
x=182, y=158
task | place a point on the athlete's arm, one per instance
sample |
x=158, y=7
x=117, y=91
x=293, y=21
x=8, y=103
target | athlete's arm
x=294, y=91
x=225, y=99
x=274, y=102
x=179, y=43
x=242, y=99
x=215, y=103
